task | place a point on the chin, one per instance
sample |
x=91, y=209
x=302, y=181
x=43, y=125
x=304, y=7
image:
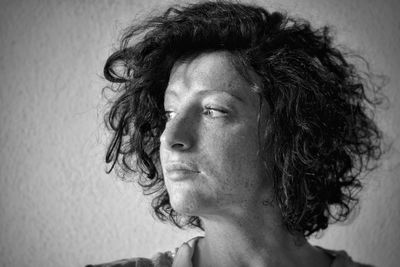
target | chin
x=187, y=203
x=183, y=205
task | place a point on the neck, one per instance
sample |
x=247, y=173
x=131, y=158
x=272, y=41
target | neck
x=252, y=239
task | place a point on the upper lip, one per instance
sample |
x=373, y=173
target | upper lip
x=174, y=166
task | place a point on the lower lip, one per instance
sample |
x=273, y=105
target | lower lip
x=178, y=175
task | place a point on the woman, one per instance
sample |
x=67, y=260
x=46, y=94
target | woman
x=249, y=125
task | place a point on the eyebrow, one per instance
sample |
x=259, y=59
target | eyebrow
x=208, y=92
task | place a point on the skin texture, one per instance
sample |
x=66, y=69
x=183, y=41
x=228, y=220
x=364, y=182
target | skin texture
x=212, y=126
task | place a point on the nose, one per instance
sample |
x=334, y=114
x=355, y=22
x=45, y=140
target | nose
x=178, y=133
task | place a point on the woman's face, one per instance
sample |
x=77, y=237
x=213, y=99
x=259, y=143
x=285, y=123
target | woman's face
x=210, y=143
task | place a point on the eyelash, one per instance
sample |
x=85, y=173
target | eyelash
x=209, y=108
x=167, y=113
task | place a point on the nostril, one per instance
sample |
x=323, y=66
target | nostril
x=178, y=146
x=175, y=141
x=178, y=133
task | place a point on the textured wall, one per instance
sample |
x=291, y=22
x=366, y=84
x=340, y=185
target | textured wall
x=59, y=208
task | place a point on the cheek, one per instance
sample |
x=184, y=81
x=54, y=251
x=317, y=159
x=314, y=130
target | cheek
x=162, y=159
x=233, y=155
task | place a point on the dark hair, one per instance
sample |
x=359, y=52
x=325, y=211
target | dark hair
x=320, y=134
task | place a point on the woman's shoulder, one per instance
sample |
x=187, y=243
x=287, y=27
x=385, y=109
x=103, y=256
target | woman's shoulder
x=161, y=259
x=342, y=259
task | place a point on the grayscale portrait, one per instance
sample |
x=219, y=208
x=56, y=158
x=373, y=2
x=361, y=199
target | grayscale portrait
x=200, y=133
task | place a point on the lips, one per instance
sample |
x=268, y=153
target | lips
x=179, y=171
x=180, y=167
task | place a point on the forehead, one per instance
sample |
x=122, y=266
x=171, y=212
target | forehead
x=213, y=71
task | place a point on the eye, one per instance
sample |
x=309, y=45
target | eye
x=169, y=114
x=214, y=112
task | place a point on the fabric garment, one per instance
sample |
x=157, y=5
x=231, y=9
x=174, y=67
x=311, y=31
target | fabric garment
x=165, y=259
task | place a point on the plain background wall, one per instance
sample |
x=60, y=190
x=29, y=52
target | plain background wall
x=57, y=205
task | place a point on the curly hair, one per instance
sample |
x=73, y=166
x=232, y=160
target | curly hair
x=321, y=133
